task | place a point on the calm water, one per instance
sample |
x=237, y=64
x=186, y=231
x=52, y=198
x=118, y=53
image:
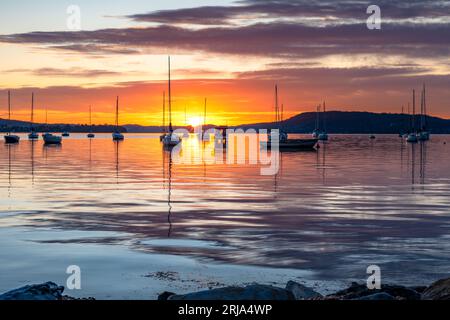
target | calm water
x=125, y=213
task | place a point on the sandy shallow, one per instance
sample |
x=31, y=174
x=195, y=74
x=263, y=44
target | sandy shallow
x=118, y=272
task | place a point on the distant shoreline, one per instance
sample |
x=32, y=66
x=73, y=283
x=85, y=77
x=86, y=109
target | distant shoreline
x=333, y=122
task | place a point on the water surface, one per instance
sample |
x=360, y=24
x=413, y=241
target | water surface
x=138, y=223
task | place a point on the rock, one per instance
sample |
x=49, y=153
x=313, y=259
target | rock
x=419, y=289
x=69, y=298
x=45, y=291
x=165, y=296
x=360, y=290
x=377, y=296
x=439, y=290
x=302, y=292
x=252, y=292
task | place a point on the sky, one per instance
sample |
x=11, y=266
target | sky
x=231, y=52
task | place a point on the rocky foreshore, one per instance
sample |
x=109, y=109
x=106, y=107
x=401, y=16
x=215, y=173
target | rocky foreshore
x=440, y=290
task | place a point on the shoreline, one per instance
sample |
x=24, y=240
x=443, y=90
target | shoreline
x=439, y=290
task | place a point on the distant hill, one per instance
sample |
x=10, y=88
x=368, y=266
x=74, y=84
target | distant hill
x=354, y=122
x=337, y=122
x=24, y=126
x=135, y=128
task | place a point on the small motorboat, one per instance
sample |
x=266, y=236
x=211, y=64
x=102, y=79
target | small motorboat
x=33, y=136
x=51, y=139
x=372, y=137
x=424, y=136
x=11, y=138
x=66, y=134
x=91, y=135
x=412, y=138
x=117, y=136
x=323, y=136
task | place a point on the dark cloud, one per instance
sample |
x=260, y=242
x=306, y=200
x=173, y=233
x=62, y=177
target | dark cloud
x=344, y=9
x=72, y=72
x=311, y=75
x=270, y=39
x=201, y=15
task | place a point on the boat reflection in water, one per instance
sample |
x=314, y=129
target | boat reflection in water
x=137, y=209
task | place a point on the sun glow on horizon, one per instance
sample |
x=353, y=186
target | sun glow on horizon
x=195, y=121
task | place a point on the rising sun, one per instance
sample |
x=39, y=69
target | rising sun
x=195, y=121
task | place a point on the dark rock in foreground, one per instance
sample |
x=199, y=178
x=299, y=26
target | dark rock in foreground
x=45, y=291
x=252, y=292
x=358, y=291
x=165, y=296
x=302, y=292
x=440, y=290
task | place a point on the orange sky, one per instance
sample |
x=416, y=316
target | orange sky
x=231, y=55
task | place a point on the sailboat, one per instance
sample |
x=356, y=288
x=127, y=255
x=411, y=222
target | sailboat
x=284, y=142
x=424, y=135
x=412, y=137
x=117, y=135
x=206, y=137
x=90, y=134
x=316, y=131
x=170, y=139
x=66, y=134
x=186, y=133
x=10, y=138
x=32, y=135
x=50, y=139
x=161, y=137
x=323, y=136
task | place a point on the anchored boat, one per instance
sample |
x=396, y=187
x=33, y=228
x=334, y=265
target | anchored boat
x=117, y=136
x=51, y=139
x=170, y=139
x=284, y=142
x=32, y=135
x=90, y=134
x=10, y=138
x=412, y=137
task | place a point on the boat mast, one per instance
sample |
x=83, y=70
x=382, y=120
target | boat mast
x=277, y=117
x=421, y=111
x=9, y=108
x=318, y=117
x=204, y=113
x=425, y=108
x=32, y=111
x=170, y=102
x=324, y=117
x=32, y=107
x=90, y=117
x=164, y=112
x=414, y=112
x=117, y=113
